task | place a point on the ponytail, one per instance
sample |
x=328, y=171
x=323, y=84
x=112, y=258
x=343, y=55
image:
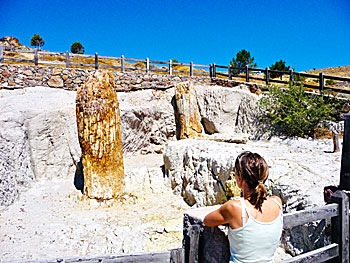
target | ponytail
x=258, y=196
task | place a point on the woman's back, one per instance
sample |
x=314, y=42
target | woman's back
x=258, y=237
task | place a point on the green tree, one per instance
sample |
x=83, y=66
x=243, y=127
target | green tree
x=77, y=48
x=279, y=66
x=242, y=59
x=37, y=41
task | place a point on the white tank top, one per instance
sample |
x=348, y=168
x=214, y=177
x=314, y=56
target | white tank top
x=255, y=241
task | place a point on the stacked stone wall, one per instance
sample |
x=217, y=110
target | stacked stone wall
x=20, y=76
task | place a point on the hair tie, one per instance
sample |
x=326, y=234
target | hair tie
x=260, y=182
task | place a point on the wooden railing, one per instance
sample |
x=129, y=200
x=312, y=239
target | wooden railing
x=167, y=67
x=294, y=77
x=170, y=256
x=337, y=251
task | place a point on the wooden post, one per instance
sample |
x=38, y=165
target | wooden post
x=229, y=72
x=177, y=255
x=291, y=76
x=147, y=65
x=170, y=67
x=267, y=76
x=1, y=54
x=211, y=70
x=345, y=159
x=36, y=57
x=96, y=61
x=214, y=70
x=247, y=73
x=321, y=83
x=191, y=69
x=194, y=232
x=340, y=226
x=335, y=136
x=123, y=63
x=67, y=59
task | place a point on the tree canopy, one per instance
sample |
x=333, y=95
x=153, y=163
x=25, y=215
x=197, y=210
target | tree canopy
x=242, y=59
x=279, y=66
x=77, y=48
x=37, y=41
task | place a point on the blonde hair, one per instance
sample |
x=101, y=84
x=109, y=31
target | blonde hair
x=253, y=169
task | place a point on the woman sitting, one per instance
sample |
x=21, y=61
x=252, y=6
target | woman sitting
x=255, y=221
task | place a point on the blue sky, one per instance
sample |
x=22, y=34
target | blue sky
x=305, y=33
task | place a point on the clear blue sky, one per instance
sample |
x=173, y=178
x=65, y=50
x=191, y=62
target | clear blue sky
x=305, y=33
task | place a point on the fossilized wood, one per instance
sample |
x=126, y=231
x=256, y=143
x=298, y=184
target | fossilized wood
x=99, y=132
x=187, y=110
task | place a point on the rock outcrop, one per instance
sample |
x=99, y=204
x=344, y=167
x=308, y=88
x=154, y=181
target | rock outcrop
x=199, y=169
x=38, y=139
x=99, y=131
x=227, y=110
x=188, y=115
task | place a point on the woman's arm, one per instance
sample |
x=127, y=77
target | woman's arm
x=221, y=216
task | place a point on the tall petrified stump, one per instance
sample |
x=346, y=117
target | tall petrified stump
x=187, y=111
x=99, y=132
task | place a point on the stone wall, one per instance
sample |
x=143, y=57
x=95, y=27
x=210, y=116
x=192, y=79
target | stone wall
x=19, y=76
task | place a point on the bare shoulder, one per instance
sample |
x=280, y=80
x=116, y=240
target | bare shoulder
x=231, y=207
x=276, y=199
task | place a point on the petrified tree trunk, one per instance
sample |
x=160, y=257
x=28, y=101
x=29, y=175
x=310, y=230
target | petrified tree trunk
x=98, y=120
x=187, y=109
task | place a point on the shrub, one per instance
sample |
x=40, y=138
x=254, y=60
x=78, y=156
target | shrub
x=330, y=82
x=294, y=112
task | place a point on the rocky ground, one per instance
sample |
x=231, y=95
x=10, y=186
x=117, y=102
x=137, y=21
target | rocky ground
x=51, y=220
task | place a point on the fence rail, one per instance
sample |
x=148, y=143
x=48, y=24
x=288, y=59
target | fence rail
x=294, y=77
x=121, y=64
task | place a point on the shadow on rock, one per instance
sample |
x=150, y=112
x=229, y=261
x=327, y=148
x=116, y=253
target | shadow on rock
x=79, y=176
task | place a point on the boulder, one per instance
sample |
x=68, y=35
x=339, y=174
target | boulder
x=198, y=170
x=55, y=81
x=227, y=110
x=99, y=132
x=147, y=120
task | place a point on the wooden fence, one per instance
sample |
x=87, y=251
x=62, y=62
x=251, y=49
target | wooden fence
x=147, y=65
x=294, y=77
x=337, y=251
x=167, y=67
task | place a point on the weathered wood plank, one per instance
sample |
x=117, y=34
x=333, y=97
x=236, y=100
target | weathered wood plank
x=305, y=216
x=194, y=233
x=51, y=62
x=174, y=256
x=336, y=78
x=158, y=62
x=318, y=255
x=81, y=55
x=19, y=60
x=340, y=225
x=135, y=59
x=201, y=66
